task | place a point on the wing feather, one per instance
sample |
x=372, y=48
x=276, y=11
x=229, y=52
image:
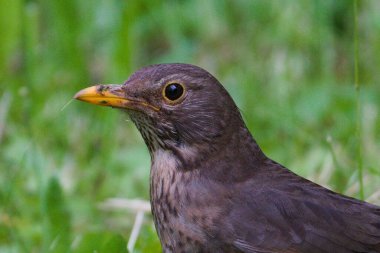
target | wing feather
x=296, y=215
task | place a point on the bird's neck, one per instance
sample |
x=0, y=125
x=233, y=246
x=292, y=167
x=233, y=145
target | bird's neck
x=235, y=147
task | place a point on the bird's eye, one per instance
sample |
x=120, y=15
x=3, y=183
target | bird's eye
x=173, y=91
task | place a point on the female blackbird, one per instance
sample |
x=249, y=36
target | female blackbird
x=212, y=189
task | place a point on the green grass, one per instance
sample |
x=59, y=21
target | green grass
x=290, y=68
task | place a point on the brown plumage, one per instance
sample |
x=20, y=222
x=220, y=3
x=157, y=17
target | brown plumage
x=212, y=188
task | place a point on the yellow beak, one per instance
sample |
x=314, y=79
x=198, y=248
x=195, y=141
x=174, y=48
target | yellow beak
x=110, y=95
x=105, y=95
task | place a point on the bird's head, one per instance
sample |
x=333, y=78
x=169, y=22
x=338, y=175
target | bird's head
x=179, y=107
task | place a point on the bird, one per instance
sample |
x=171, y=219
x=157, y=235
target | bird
x=212, y=188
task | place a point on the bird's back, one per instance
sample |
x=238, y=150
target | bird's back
x=278, y=211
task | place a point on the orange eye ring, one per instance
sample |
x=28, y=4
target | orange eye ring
x=173, y=92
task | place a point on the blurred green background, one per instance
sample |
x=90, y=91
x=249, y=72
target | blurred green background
x=288, y=65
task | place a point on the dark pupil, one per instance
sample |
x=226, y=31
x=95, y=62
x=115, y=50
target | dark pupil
x=173, y=91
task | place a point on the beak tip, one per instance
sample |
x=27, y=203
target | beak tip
x=78, y=95
x=86, y=92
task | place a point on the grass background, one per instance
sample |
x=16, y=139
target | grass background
x=289, y=67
